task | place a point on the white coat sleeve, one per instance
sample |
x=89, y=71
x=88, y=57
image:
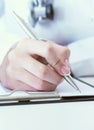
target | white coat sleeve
x=6, y=42
x=82, y=57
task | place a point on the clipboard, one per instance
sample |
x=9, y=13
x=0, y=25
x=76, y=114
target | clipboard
x=64, y=93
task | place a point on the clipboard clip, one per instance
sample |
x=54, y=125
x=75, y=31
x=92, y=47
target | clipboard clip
x=25, y=97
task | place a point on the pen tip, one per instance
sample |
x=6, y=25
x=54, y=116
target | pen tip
x=79, y=90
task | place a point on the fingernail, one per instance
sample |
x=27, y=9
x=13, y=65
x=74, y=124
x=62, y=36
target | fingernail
x=65, y=70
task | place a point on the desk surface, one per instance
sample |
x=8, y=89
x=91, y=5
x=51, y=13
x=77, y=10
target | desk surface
x=59, y=116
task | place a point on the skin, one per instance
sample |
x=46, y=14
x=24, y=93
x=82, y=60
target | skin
x=30, y=66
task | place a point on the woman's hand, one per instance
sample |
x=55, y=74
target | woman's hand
x=34, y=66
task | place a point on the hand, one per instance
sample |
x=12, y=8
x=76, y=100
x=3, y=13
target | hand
x=31, y=66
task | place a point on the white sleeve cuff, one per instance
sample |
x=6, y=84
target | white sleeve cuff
x=82, y=57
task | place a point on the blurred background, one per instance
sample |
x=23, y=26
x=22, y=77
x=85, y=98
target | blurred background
x=62, y=16
x=72, y=19
x=7, y=22
x=2, y=7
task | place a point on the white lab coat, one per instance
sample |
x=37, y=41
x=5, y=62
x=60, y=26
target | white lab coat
x=82, y=57
x=73, y=20
x=73, y=25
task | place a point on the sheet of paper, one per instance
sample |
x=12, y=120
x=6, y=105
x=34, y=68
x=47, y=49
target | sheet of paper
x=64, y=90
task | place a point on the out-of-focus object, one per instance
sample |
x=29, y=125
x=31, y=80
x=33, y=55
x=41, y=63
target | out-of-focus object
x=82, y=58
x=72, y=20
x=41, y=10
x=2, y=7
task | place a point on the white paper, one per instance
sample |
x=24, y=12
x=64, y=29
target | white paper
x=63, y=89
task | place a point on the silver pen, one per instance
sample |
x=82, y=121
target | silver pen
x=30, y=34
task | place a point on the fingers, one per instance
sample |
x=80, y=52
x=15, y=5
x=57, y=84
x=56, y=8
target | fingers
x=34, y=67
x=18, y=85
x=51, y=52
x=40, y=70
x=23, y=80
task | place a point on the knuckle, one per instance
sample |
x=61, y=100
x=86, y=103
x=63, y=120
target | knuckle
x=42, y=85
x=44, y=72
x=48, y=49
